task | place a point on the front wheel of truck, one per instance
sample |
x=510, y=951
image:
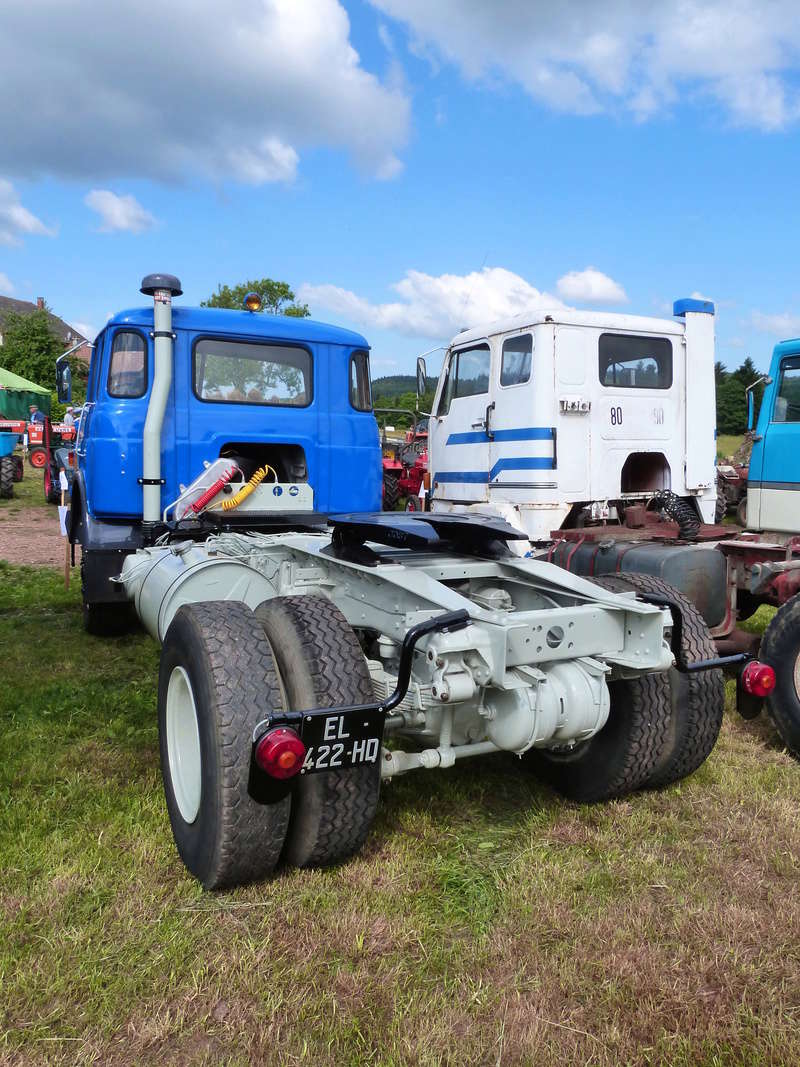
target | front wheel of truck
x=217, y=680
x=321, y=665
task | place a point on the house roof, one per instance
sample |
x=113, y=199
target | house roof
x=63, y=330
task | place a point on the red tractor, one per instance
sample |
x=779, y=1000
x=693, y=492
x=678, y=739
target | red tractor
x=52, y=449
x=404, y=466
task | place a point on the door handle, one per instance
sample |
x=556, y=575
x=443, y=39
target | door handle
x=487, y=421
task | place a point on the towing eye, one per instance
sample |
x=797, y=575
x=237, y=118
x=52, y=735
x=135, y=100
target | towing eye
x=268, y=790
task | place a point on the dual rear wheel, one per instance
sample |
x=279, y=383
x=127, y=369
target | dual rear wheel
x=223, y=670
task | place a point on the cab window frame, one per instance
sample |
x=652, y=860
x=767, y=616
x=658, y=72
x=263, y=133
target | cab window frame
x=145, y=368
x=663, y=386
x=521, y=381
x=359, y=353
x=787, y=363
x=259, y=343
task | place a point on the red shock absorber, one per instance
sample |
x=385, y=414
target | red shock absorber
x=212, y=490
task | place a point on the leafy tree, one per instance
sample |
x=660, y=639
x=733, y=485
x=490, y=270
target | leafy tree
x=278, y=297
x=30, y=348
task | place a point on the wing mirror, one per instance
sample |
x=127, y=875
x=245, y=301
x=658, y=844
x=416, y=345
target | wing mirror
x=765, y=378
x=422, y=377
x=64, y=383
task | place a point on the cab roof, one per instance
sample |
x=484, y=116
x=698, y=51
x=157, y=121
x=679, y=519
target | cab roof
x=244, y=324
x=603, y=320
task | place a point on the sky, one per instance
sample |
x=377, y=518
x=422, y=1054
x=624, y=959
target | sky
x=410, y=167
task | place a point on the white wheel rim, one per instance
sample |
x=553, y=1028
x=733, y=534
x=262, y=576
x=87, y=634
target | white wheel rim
x=797, y=677
x=183, y=745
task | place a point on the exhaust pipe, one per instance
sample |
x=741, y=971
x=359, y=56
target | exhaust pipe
x=162, y=288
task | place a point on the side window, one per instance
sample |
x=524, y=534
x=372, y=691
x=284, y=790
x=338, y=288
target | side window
x=630, y=362
x=127, y=371
x=787, y=402
x=472, y=371
x=515, y=368
x=360, y=387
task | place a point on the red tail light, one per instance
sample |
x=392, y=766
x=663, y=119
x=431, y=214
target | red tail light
x=758, y=679
x=280, y=753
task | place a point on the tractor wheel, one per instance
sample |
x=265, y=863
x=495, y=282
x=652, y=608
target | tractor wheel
x=6, y=477
x=391, y=492
x=780, y=647
x=721, y=506
x=19, y=469
x=321, y=665
x=52, y=488
x=38, y=458
x=698, y=700
x=217, y=680
x=102, y=619
x=741, y=512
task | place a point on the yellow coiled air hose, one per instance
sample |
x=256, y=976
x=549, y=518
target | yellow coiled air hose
x=246, y=490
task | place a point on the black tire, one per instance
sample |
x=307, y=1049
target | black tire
x=19, y=469
x=391, y=492
x=52, y=487
x=741, y=512
x=780, y=647
x=622, y=756
x=698, y=700
x=321, y=665
x=102, y=619
x=721, y=506
x=234, y=684
x=6, y=477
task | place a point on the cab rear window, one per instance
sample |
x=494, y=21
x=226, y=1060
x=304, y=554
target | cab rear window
x=360, y=387
x=630, y=362
x=244, y=372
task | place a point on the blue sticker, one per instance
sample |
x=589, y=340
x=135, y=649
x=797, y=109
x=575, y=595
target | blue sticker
x=277, y=490
x=293, y=490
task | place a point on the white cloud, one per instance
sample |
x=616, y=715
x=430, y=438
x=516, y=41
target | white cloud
x=638, y=58
x=701, y=296
x=15, y=220
x=591, y=286
x=780, y=325
x=119, y=214
x=228, y=91
x=436, y=307
x=6, y=285
x=85, y=329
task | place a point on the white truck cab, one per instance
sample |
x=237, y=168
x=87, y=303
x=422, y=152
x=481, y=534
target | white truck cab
x=559, y=414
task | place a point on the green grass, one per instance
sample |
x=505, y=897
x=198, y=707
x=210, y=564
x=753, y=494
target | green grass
x=485, y=922
x=727, y=444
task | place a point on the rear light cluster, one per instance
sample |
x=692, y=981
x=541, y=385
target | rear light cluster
x=280, y=753
x=758, y=679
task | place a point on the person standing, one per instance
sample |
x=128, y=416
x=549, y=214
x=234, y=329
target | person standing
x=35, y=414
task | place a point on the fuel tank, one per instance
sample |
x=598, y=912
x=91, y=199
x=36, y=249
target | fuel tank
x=699, y=571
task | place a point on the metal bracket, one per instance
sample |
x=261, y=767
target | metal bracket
x=151, y=481
x=266, y=790
x=163, y=333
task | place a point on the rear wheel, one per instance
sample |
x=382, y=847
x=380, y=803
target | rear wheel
x=321, y=665
x=697, y=700
x=622, y=756
x=780, y=647
x=391, y=492
x=721, y=506
x=216, y=682
x=6, y=477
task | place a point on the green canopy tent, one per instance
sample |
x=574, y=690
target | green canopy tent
x=17, y=394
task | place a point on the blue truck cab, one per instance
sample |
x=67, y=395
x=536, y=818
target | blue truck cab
x=773, y=487
x=290, y=393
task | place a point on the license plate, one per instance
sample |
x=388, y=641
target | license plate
x=345, y=739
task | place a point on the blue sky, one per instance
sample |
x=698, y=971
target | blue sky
x=411, y=168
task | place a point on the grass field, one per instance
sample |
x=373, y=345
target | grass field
x=727, y=444
x=486, y=922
